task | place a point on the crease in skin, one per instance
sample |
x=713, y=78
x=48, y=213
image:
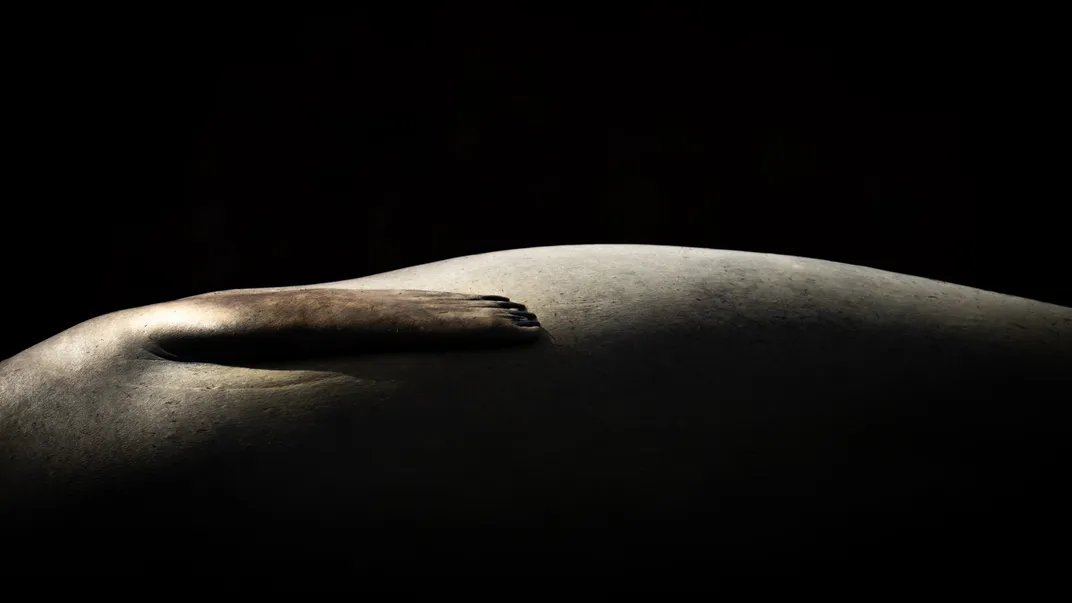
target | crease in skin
x=156, y=373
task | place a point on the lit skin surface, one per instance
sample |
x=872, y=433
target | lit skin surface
x=760, y=405
x=58, y=379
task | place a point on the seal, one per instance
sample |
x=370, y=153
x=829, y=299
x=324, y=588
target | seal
x=757, y=406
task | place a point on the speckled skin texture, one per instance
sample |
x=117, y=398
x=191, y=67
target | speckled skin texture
x=756, y=406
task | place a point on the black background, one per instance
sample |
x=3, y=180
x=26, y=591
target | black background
x=162, y=155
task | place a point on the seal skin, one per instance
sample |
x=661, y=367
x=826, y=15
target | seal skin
x=672, y=407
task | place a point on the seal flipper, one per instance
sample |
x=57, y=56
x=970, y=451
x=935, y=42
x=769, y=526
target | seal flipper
x=234, y=327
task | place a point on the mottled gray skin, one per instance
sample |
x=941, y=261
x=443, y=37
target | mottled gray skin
x=762, y=406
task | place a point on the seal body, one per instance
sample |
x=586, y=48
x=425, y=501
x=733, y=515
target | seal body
x=756, y=406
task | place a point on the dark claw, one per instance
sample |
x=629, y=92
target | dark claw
x=494, y=298
x=528, y=323
x=526, y=315
x=512, y=305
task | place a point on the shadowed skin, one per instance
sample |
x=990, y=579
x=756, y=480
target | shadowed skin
x=670, y=400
